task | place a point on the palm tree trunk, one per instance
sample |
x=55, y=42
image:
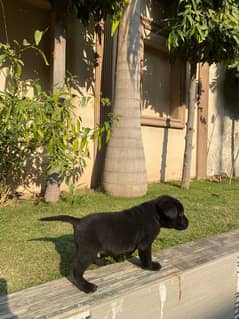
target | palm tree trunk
x=52, y=192
x=186, y=174
x=124, y=173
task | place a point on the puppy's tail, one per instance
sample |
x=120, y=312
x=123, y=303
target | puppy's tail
x=64, y=218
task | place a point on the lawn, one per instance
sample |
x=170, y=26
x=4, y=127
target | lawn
x=33, y=252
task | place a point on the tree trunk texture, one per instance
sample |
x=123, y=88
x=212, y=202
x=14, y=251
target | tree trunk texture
x=186, y=174
x=124, y=172
x=52, y=192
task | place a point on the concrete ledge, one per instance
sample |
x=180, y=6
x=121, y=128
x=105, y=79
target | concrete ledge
x=198, y=281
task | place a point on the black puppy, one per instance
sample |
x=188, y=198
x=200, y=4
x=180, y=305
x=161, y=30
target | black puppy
x=121, y=233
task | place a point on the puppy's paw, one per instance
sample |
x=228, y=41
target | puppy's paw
x=154, y=266
x=89, y=287
x=83, y=285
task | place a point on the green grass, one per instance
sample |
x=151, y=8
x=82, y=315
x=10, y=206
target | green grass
x=33, y=252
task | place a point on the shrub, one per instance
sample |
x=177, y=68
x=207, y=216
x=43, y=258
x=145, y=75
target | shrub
x=40, y=122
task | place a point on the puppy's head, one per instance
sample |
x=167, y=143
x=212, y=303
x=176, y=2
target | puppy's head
x=171, y=213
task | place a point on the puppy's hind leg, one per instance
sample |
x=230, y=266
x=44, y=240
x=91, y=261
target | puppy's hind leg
x=145, y=255
x=80, y=264
x=101, y=262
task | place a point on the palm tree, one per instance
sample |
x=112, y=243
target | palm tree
x=124, y=172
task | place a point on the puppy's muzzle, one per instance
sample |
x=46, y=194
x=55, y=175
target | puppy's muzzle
x=183, y=224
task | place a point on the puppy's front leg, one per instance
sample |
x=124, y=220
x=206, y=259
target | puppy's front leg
x=145, y=256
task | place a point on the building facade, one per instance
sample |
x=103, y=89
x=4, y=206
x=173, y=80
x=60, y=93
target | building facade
x=164, y=88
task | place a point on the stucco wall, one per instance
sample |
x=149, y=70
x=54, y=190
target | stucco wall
x=22, y=19
x=164, y=147
x=164, y=150
x=223, y=126
x=81, y=62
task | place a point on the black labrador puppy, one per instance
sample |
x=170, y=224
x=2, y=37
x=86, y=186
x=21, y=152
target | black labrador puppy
x=121, y=233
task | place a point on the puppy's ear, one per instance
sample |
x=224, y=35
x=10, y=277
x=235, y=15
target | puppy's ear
x=168, y=209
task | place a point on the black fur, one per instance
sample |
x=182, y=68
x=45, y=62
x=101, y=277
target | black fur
x=121, y=233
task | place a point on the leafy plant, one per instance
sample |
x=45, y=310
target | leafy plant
x=204, y=31
x=42, y=122
x=96, y=10
x=99, y=9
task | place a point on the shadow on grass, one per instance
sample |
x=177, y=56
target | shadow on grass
x=64, y=245
x=5, y=311
x=173, y=183
x=3, y=287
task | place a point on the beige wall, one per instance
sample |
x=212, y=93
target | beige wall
x=223, y=127
x=22, y=19
x=164, y=149
x=206, y=292
x=163, y=153
x=80, y=62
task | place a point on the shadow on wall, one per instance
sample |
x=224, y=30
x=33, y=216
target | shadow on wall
x=224, y=137
x=81, y=55
x=164, y=155
x=107, y=88
x=5, y=311
x=22, y=19
x=231, y=99
x=231, y=93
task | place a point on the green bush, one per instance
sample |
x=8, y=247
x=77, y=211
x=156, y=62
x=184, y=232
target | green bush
x=40, y=122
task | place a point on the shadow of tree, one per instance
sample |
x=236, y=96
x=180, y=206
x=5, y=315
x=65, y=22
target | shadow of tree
x=173, y=183
x=81, y=55
x=231, y=93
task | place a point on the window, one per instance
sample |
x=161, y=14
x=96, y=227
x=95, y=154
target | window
x=162, y=82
